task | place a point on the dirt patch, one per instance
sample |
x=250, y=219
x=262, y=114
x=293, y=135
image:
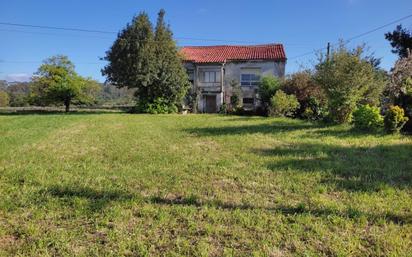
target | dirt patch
x=8, y=241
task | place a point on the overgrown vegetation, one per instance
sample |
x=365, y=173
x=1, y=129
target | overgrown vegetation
x=348, y=78
x=199, y=185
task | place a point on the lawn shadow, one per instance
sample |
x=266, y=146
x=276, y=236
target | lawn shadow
x=300, y=209
x=58, y=112
x=277, y=126
x=97, y=200
x=344, y=133
x=350, y=168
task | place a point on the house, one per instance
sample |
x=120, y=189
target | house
x=213, y=69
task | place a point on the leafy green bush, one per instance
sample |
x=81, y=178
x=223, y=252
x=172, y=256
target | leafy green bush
x=283, y=104
x=315, y=109
x=267, y=89
x=395, y=119
x=158, y=106
x=367, y=118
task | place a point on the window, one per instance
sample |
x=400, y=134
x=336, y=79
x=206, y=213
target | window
x=211, y=76
x=249, y=80
x=248, y=101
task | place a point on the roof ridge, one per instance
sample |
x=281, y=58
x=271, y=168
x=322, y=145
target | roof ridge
x=258, y=45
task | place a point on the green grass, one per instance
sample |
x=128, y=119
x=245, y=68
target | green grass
x=200, y=185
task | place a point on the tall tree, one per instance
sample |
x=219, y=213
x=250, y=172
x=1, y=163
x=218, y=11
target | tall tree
x=131, y=58
x=57, y=82
x=149, y=62
x=171, y=82
x=401, y=40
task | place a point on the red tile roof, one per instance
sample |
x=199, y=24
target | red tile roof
x=217, y=54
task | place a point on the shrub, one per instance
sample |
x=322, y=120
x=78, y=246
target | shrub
x=267, y=89
x=283, y=104
x=367, y=118
x=310, y=95
x=158, y=106
x=315, y=109
x=395, y=119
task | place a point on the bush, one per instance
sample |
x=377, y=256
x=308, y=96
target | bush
x=283, y=104
x=395, y=119
x=310, y=95
x=158, y=106
x=315, y=109
x=267, y=89
x=367, y=118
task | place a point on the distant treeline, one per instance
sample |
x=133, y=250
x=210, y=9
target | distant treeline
x=17, y=94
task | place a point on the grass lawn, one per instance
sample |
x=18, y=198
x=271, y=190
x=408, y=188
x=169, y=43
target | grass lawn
x=141, y=185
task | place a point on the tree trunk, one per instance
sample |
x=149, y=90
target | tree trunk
x=67, y=105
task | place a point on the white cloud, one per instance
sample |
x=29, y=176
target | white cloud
x=18, y=77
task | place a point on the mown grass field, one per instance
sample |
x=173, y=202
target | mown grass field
x=200, y=185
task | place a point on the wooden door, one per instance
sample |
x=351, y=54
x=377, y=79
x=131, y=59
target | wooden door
x=211, y=103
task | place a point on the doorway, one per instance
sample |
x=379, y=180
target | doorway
x=210, y=103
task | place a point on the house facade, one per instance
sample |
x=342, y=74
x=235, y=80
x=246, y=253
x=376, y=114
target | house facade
x=213, y=70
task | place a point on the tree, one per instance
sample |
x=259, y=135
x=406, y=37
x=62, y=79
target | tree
x=399, y=90
x=148, y=62
x=267, y=88
x=57, y=82
x=171, y=82
x=4, y=98
x=347, y=79
x=132, y=58
x=401, y=40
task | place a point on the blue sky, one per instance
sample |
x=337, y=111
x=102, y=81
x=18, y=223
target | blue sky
x=301, y=26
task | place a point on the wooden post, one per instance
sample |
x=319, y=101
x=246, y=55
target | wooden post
x=328, y=52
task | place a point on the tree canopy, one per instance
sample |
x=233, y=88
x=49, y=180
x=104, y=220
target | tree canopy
x=401, y=40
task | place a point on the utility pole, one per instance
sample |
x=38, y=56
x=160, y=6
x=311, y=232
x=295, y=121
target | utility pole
x=328, y=52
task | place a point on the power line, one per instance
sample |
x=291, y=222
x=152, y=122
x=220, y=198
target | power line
x=354, y=37
x=112, y=32
x=57, y=28
x=93, y=63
